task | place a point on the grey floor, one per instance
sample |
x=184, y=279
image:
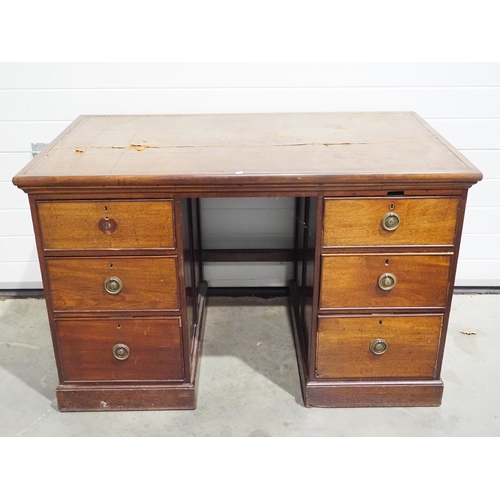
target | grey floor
x=249, y=382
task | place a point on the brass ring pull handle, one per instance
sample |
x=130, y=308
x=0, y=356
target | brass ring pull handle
x=121, y=351
x=113, y=285
x=387, y=281
x=390, y=221
x=378, y=347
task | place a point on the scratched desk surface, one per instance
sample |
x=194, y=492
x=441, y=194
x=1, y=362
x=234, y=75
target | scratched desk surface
x=287, y=147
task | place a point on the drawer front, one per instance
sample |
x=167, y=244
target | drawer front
x=78, y=284
x=120, y=349
x=417, y=221
x=106, y=224
x=353, y=281
x=411, y=346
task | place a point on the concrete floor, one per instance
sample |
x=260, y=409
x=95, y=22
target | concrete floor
x=249, y=382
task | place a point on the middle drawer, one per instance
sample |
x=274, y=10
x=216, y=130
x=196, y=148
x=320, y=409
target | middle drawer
x=384, y=280
x=113, y=284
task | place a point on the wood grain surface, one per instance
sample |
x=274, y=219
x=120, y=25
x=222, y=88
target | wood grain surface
x=288, y=148
x=115, y=397
x=149, y=283
x=351, y=281
x=86, y=348
x=380, y=394
x=357, y=221
x=74, y=224
x=344, y=346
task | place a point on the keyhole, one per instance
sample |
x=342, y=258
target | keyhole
x=386, y=262
x=392, y=206
x=380, y=323
x=118, y=325
x=111, y=265
x=105, y=208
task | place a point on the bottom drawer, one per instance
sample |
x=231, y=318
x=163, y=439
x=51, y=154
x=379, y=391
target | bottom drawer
x=122, y=350
x=364, y=347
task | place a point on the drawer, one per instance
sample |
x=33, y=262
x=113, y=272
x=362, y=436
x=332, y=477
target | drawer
x=354, y=281
x=102, y=225
x=345, y=344
x=122, y=350
x=133, y=283
x=361, y=221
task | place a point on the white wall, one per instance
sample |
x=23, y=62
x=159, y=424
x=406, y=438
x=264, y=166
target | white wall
x=460, y=100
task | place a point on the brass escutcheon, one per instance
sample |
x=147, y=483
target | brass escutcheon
x=107, y=226
x=378, y=346
x=113, y=285
x=390, y=221
x=121, y=351
x=387, y=281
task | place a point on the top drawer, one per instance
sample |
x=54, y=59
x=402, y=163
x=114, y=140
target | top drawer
x=389, y=221
x=101, y=225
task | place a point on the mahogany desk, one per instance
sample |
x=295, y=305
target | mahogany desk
x=379, y=207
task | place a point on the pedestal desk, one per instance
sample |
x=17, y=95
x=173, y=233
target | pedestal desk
x=379, y=207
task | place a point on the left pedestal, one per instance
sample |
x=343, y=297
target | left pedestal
x=124, y=297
